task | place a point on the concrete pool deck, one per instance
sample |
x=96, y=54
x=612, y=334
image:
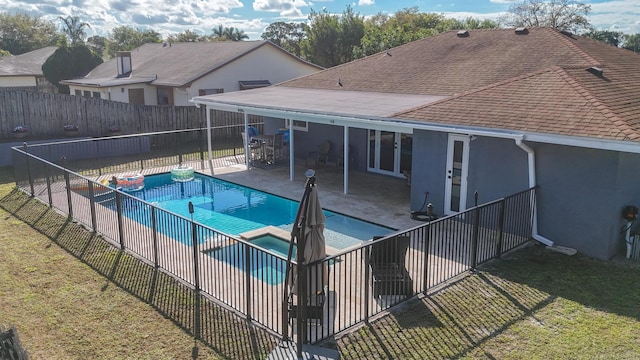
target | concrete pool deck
x=380, y=199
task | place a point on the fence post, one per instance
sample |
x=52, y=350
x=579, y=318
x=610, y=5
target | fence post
x=67, y=183
x=92, y=206
x=25, y=147
x=367, y=281
x=196, y=280
x=154, y=231
x=474, y=238
x=120, y=225
x=49, y=192
x=427, y=249
x=247, y=278
x=500, y=228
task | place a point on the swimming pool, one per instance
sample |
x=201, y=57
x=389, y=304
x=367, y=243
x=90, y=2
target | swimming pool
x=234, y=209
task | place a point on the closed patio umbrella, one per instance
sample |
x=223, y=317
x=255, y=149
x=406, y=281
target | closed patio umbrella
x=314, y=243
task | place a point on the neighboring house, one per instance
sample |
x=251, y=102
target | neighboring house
x=493, y=111
x=173, y=73
x=24, y=71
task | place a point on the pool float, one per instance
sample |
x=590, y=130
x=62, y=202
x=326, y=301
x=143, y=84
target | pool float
x=182, y=173
x=130, y=182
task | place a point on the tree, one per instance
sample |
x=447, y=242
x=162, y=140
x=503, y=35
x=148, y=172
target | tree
x=332, y=39
x=74, y=28
x=97, y=44
x=632, y=42
x=614, y=38
x=125, y=38
x=22, y=33
x=221, y=33
x=69, y=63
x=186, y=36
x=567, y=15
x=286, y=35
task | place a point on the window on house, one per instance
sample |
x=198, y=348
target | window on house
x=86, y=93
x=96, y=94
x=203, y=92
x=136, y=96
x=78, y=92
x=165, y=96
x=298, y=125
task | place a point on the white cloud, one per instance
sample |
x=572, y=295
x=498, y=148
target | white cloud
x=286, y=8
x=366, y=2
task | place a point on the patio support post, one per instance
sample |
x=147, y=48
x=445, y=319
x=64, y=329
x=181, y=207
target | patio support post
x=346, y=159
x=291, y=151
x=247, y=154
x=209, y=139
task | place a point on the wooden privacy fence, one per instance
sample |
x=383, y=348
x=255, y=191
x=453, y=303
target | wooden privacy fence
x=46, y=114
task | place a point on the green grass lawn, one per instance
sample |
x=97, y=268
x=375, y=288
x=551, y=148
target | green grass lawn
x=72, y=297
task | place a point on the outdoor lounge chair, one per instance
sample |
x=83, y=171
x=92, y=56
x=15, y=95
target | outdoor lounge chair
x=387, y=263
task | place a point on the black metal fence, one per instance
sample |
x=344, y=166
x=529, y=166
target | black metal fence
x=234, y=273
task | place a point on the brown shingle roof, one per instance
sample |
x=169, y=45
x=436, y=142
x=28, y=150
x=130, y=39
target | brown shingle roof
x=445, y=64
x=566, y=99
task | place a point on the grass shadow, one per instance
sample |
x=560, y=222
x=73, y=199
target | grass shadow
x=222, y=330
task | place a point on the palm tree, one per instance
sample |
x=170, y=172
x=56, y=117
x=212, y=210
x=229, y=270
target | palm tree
x=74, y=28
x=234, y=34
x=228, y=33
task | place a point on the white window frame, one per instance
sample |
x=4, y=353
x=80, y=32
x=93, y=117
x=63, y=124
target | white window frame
x=297, y=125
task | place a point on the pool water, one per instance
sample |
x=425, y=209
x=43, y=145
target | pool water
x=234, y=209
x=263, y=266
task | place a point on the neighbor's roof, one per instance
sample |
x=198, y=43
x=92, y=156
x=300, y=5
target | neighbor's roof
x=27, y=64
x=541, y=80
x=173, y=64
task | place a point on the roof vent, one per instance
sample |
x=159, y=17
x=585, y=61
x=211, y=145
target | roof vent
x=522, y=31
x=595, y=70
x=566, y=33
x=463, y=33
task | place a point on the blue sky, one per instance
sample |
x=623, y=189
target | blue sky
x=253, y=16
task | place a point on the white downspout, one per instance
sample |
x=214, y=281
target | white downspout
x=532, y=183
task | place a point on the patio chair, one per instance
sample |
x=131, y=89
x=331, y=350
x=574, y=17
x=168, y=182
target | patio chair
x=256, y=149
x=320, y=156
x=316, y=295
x=387, y=263
x=274, y=148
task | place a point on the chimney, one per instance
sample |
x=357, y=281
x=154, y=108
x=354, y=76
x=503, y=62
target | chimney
x=123, y=59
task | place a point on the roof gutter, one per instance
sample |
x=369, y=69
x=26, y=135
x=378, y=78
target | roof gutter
x=531, y=159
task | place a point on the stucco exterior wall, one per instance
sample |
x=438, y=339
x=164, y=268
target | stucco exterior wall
x=581, y=196
x=264, y=63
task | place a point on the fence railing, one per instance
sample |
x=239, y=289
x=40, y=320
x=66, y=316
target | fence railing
x=241, y=276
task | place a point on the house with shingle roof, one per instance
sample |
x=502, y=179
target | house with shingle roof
x=489, y=111
x=173, y=73
x=24, y=71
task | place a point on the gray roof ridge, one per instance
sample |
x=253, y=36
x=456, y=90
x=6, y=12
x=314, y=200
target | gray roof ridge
x=573, y=46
